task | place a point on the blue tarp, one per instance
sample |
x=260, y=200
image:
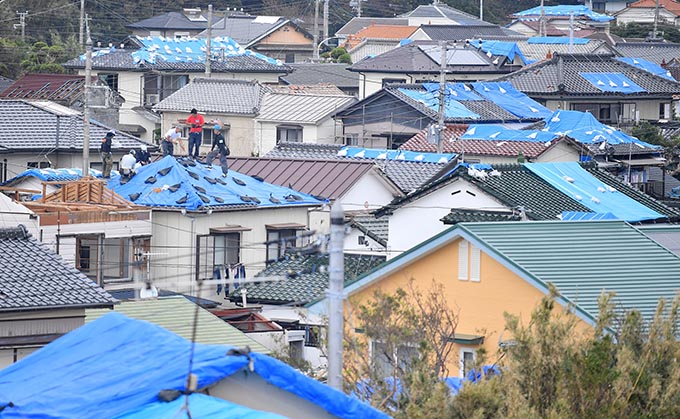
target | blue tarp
x=195, y=187
x=452, y=108
x=115, y=365
x=557, y=40
x=52, y=175
x=584, y=128
x=502, y=48
x=500, y=133
x=574, y=181
x=612, y=82
x=648, y=66
x=564, y=11
x=404, y=155
x=507, y=97
x=456, y=91
x=587, y=216
x=201, y=406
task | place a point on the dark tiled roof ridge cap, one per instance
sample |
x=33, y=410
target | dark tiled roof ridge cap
x=224, y=81
x=18, y=232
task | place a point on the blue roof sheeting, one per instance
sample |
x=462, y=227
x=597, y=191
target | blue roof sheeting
x=587, y=216
x=52, y=175
x=500, y=133
x=502, y=48
x=574, y=181
x=612, y=82
x=647, y=66
x=452, y=108
x=564, y=11
x=511, y=99
x=584, y=128
x=181, y=183
x=404, y=155
x=557, y=40
x=455, y=91
x=117, y=365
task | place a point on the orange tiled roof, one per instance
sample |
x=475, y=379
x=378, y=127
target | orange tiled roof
x=670, y=5
x=380, y=32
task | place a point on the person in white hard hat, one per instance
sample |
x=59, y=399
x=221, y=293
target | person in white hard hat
x=127, y=165
x=143, y=156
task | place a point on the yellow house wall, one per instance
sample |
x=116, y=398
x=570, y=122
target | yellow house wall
x=289, y=37
x=480, y=305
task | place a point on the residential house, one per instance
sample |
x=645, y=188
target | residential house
x=188, y=22
x=206, y=223
x=375, y=40
x=43, y=297
x=234, y=103
x=274, y=36
x=614, y=91
x=660, y=53
x=299, y=115
x=13, y=213
x=531, y=191
x=391, y=116
x=309, y=74
x=607, y=6
x=156, y=360
x=420, y=61
x=42, y=134
x=156, y=67
x=181, y=316
x=489, y=269
x=560, y=17
x=644, y=11
x=482, y=30
x=356, y=24
x=542, y=48
x=440, y=14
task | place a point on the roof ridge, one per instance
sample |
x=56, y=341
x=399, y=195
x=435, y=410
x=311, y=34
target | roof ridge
x=18, y=232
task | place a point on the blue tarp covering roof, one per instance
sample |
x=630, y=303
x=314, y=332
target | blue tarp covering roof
x=404, y=155
x=502, y=48
x=511, y=99
x=52, y=175
x=452, y=108
x=587, y=216
x=612, y=82
x=648, y=66
x=115, y=365
x=574, y=181
x=501, y=133
x=584, y=128
x=201, y=406
x=565, y=11
x=181, y=183
x=557, y=40
x=456, y=91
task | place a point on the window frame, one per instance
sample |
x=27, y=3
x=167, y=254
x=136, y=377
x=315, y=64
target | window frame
x=463, y=371
x=207, y=251
x=287, y=129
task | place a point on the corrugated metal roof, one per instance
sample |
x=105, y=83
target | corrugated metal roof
x=300, y=108
x=176, y=314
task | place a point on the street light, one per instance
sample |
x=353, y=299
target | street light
x=317, y=46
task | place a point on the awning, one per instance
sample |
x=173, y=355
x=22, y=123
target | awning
x=467, y=339
x=643, y=162
x=285, y=226
x=229, y=229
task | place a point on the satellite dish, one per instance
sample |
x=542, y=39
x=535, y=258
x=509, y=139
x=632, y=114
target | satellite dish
x=148, y=292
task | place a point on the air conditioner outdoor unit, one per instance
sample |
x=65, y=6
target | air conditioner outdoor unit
x=152, y=99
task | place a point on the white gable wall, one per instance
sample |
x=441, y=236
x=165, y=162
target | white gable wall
x=560, y=152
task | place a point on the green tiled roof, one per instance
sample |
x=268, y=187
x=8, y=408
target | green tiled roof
x=375, y=228
x=177, y=315
x=306, y=278
x=467, y=216
x=583, y=259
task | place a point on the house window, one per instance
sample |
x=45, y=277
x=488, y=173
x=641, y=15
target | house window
x=664, y=110
x=281, y=237
x=467, y=360
x=38, y=165
x=469, y=262
x=604, y=112
x=352, y=139
x=290, y=57
x=110, y=79
x=116, y=254
x=158, y=86
x=312, y=336
x=386, y=358
x=289, y=133
x=296, y=349
x=217, y=251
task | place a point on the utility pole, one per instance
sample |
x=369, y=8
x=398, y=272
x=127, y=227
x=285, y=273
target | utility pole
x=541, y=21
x=81, y=39
x=208, y=41
x=656, y=19
x=571, y=33
x=22, y=24
x=336, y=273
x=359, y=7
x=316, y=30
x=442, y=95
x=325, y=19
x=86, y=105
x=481, y=9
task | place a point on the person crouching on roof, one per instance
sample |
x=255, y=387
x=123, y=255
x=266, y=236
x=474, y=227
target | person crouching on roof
x=127, y=165
x=222, y=150
x=143, y=156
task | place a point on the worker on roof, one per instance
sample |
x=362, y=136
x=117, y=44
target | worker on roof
x=196, y=123
x=222, y=150
x=170, y=139
x=127, y=165
x=143, y=156
x=107, y=158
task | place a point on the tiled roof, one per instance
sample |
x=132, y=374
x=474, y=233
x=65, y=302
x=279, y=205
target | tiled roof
x=656, y=52
x=458, y=215
x=670, y=5
x=245, y=29
x=322, y=89
x=530, y=149
x=440, y=10
x=133, y=294
x=546, y=77
x=323, y=178
x=300, y=108
x=396, y=32
x=306, y=278
x=358, y=23
x=32, y=277
x=170, y=20
x=55, y=87
x=448, y=32
x=177, y=315
x=227, y=96
x=305, y=151
x=45, y=125
x=418, y=142
x=375, y=228
x=539, y=52
x=313, y=73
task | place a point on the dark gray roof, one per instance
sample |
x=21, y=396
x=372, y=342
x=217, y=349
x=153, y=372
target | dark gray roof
x=42, y=125
x=227, y=96
x=5, y=83
x=306, y=278
x=442, y=10
x=313, y=73
x=460, y=215
x=655, y=52
x=375, y=228
x=358, y=23
x=121, y=60
x=449, y=32
x=305, y=151
x=244, y=29
x=412, y=58
x=170, y=20
x=546, y=77
x=32, y=277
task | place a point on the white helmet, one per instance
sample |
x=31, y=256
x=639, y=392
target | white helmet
x=143, y=147
x=132, y=152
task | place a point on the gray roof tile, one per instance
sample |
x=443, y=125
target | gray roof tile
x=32, y=277
x=375, y=228
x=313, y=73
x=304, y=108
x=656, y=52
x=216, y=95
x=170, y=20
x=245, y=29
x=449, y=32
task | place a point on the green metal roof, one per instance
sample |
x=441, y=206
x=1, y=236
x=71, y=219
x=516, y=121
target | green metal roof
x=176, y=314
x=583, y=259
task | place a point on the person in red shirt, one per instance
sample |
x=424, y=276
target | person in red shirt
x=196, y=122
